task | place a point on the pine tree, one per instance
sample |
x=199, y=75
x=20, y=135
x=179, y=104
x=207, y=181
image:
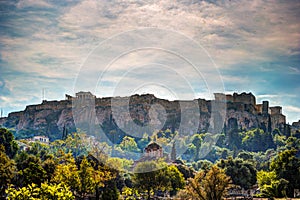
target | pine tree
x=173, y=152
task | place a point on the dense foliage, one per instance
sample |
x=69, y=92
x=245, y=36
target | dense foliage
x=78, y=167
x=207, y=185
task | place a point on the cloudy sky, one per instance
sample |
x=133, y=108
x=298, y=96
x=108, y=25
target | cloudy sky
x=176, y=49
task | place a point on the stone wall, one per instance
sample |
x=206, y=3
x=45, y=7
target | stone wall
x=296, y=125
x=246, y=98
x=50, y=117
x=276, y=110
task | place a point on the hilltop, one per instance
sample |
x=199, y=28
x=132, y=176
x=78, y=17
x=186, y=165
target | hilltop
x=51, y=117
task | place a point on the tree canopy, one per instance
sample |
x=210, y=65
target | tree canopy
x=207, y=185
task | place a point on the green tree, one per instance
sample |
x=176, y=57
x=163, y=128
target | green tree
x=110, y=191
x=173, y=152
x=186, y=171
x=45, y=191
x=270, y=185
x=7, y=140
x=262, y=160
x=86, y=178
x=7, y=170
x=190, y=153
x=150, y=176
x=30, y=170
x=100, y=151
x=39, y=149
x=67, y=173
x=57, y=146
x=121, y=164
x=145, y=177
x=245, y=155
x=202, y=165
x=96, y=177
x=112, y=179
x=197, y=140
x=241, y=172
x=175, y=179
x=257, y=140
x=49, y=166
x=286, y=165
x=208, y=185
x=129, y=144
x=130, y=193
x=34, y=173
x=292, y=142
x=90, y=178
x=279, y=140
x=76, y=143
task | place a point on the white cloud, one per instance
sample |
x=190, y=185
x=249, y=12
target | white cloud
x=271, y=96
x=267, y=96
x=33, y=3
x=294, y=70
x=292, y=109
x=232, y=31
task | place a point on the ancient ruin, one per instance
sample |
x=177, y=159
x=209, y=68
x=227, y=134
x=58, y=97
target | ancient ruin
x=50, y=117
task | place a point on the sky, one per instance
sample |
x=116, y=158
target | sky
x=180, y=49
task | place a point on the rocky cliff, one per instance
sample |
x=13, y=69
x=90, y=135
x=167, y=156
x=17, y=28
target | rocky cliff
x=138, y=114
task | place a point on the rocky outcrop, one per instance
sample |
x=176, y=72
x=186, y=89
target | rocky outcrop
x=138, y=114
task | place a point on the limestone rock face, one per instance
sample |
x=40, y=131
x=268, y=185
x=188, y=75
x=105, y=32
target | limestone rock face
x=138, y=114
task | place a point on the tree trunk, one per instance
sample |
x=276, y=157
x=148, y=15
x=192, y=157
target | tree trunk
x=149, y=194
x=97, y=193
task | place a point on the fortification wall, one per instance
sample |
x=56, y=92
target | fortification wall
x=258, y=108
x=276, y=110
x=229, y=98
x=278, y=121
x=51, y=116
x=246, y=98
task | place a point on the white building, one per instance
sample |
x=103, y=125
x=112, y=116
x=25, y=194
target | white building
x=42, y=139
x=23, y=146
